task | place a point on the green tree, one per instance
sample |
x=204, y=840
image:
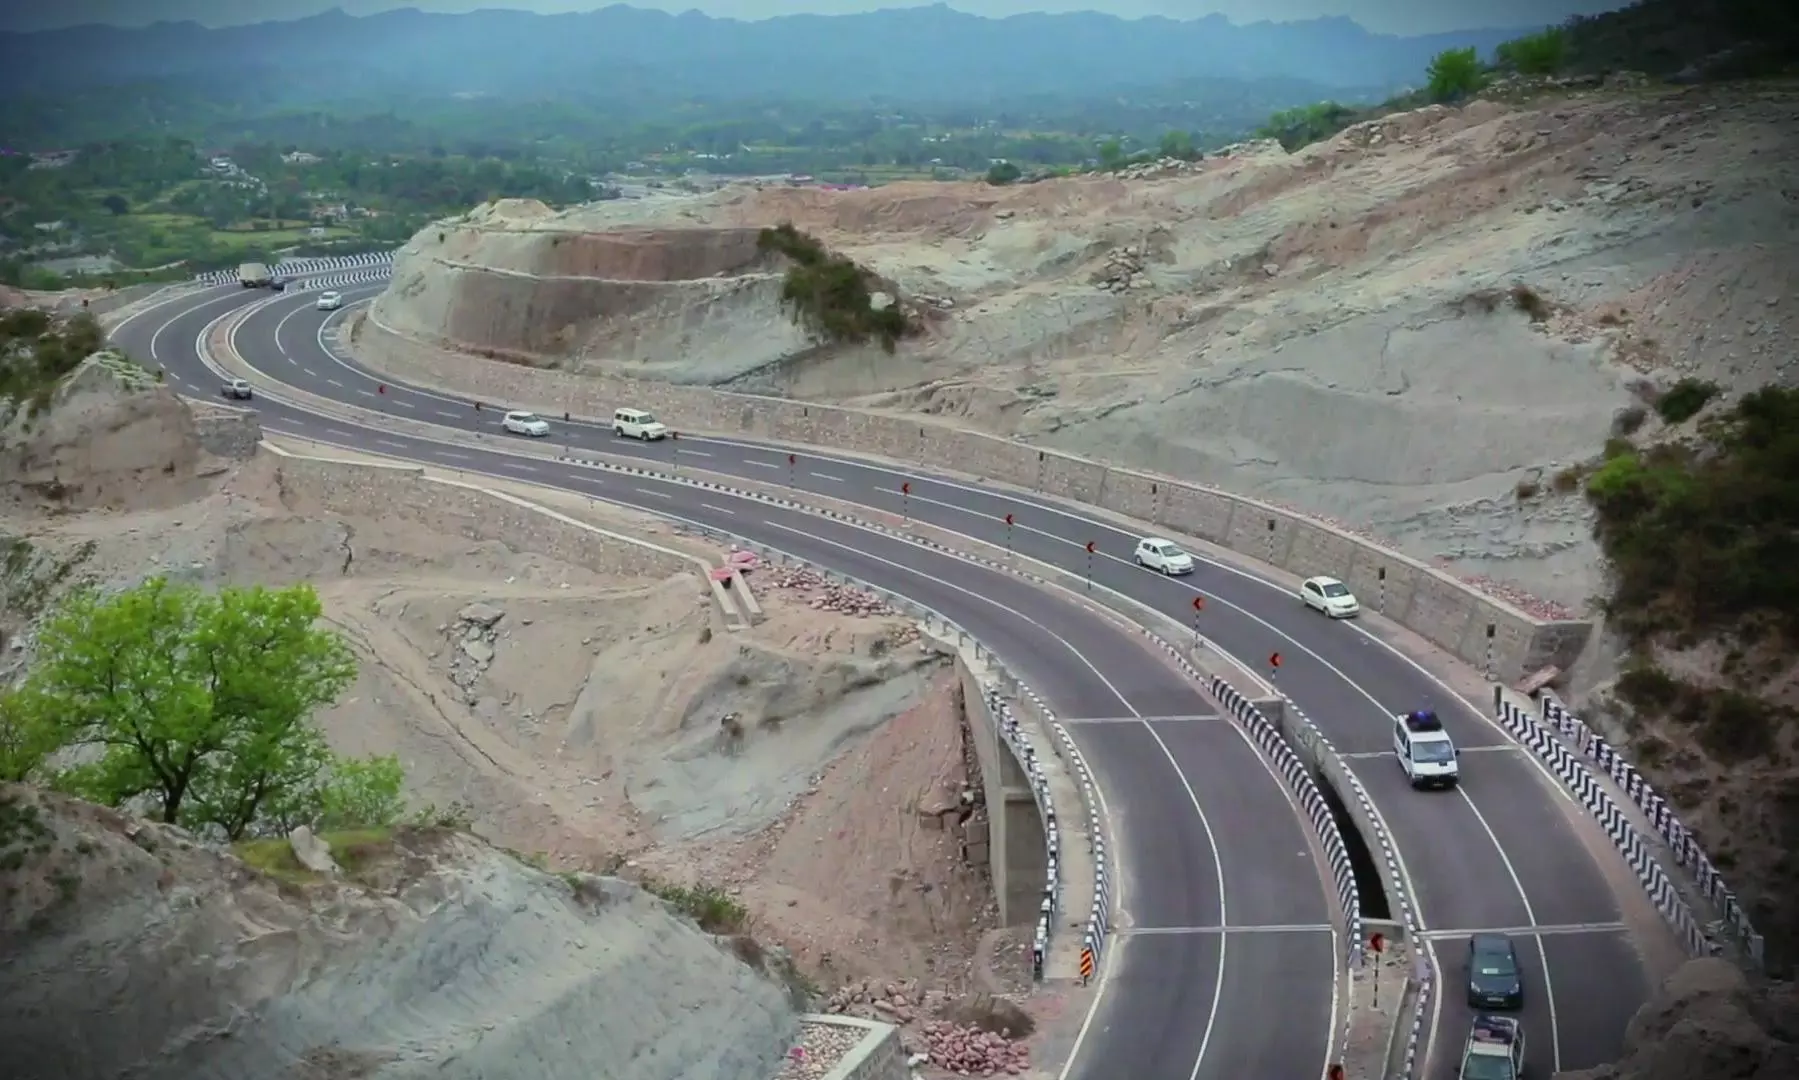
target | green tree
x=116, y=205
x=1178, y=144
x=1003, y=173
x=196, y=701
x=25, y=740
x=358, y=793
x=1111, y=154
x=1453, y=74
x=1542, y=53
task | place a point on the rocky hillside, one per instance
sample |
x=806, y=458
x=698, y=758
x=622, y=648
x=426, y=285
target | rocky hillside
x=1709, y=1021
x=135, y=950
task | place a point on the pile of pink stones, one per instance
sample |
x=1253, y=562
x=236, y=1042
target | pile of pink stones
x=829, y=596
x=969, y=1051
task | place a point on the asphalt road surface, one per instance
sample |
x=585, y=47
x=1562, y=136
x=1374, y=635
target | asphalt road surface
x=1497, y=854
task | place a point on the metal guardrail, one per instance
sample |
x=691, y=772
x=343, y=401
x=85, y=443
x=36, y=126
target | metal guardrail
x=1680, y=839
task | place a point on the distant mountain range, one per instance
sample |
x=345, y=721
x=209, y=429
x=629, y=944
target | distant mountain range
x=910, y=54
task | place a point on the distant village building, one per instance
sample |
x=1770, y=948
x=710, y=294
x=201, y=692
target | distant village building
x=300, y=157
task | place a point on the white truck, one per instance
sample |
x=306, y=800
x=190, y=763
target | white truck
x=254, y=276
x=1495, y=1049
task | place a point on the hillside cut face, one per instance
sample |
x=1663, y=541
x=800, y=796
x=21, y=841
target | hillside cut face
x=516, y=280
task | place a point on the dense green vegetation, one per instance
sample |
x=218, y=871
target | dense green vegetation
x=830, y=295
x=197, y=704
x=37, y=351
x=1701, y=540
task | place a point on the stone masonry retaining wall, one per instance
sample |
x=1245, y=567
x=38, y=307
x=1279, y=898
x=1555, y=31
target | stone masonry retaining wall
x=226, y=432
x=1479, y=629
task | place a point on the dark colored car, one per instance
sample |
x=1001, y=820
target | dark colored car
x=1494, y=981
x=279, y=284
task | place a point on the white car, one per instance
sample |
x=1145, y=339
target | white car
x=1163, y=556
x=525, y=423
x=330, y=301
x=637, y=424
x=1330, y=597
x=1425, y=751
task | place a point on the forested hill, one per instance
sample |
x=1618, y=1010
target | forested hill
x=909, y=54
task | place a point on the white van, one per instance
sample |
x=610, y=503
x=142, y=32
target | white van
x=1426, y=753
x=637, y=424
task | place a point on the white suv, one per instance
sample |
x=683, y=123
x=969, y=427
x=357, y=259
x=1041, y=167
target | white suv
x=330, y=301
x=637, y=424
x=524, y=423
x=1162, y=556
x=1426, y=753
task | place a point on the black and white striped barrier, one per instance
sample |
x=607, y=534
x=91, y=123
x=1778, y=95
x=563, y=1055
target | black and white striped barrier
x=1299, y=781
x=1026, y=755
x=319, y=265
x=1099, y=912
x=1680, y=839
x=1586, y=788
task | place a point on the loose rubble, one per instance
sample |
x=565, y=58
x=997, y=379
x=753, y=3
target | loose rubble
x=1123, y=270
x=831, y=596
x=475, y=634
x=969, y=1051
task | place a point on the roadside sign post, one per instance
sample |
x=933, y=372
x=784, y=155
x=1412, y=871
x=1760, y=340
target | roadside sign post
x=1199, y=605
x=1089, y=566
x=791, y=462
x=1491, y=629
x=1380, y=575
x=1274, y=665
x=674, y=449
x=1377, y=944
x=906, y=502
x=1008, y=537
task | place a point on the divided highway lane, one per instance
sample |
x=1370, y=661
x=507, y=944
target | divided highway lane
x=1504, y=852
x=1227, y=967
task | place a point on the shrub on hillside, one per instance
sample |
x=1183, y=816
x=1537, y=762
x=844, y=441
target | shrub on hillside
x=1684, y=399
x=1701, y=540
x=1542, y=53
x=1454, y=74
x=829, y=294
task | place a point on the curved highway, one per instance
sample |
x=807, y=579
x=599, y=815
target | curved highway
x=1226, y=914
x=1504, y=852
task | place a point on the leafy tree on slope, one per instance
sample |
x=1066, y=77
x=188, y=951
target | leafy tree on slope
x=195, y=701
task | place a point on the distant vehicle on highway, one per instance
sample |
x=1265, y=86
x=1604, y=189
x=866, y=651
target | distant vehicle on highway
x=637, y=424
x=1330, y=597
x=279, y=283
x=1425, y=751
x=1494, y=981
x=1163, y=556
x=330, y=301
x=253, y=275
x=525, y=423
x=236, y=389
x=1494, y=1050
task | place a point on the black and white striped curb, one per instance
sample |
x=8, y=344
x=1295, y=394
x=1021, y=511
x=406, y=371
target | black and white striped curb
x=1585, y=787
x=1414, y=1040
x=1680, y=839
x=307, y=266
x=345, y=279
x=1026, y=755
x=1394, y=880
x=1299, y=781
x=1099, y=913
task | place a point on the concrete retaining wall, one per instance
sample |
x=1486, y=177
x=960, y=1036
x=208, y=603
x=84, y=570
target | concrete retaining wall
x=1479, y=629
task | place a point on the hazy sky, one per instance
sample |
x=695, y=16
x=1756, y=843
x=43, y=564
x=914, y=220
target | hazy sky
x=1390, y=16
